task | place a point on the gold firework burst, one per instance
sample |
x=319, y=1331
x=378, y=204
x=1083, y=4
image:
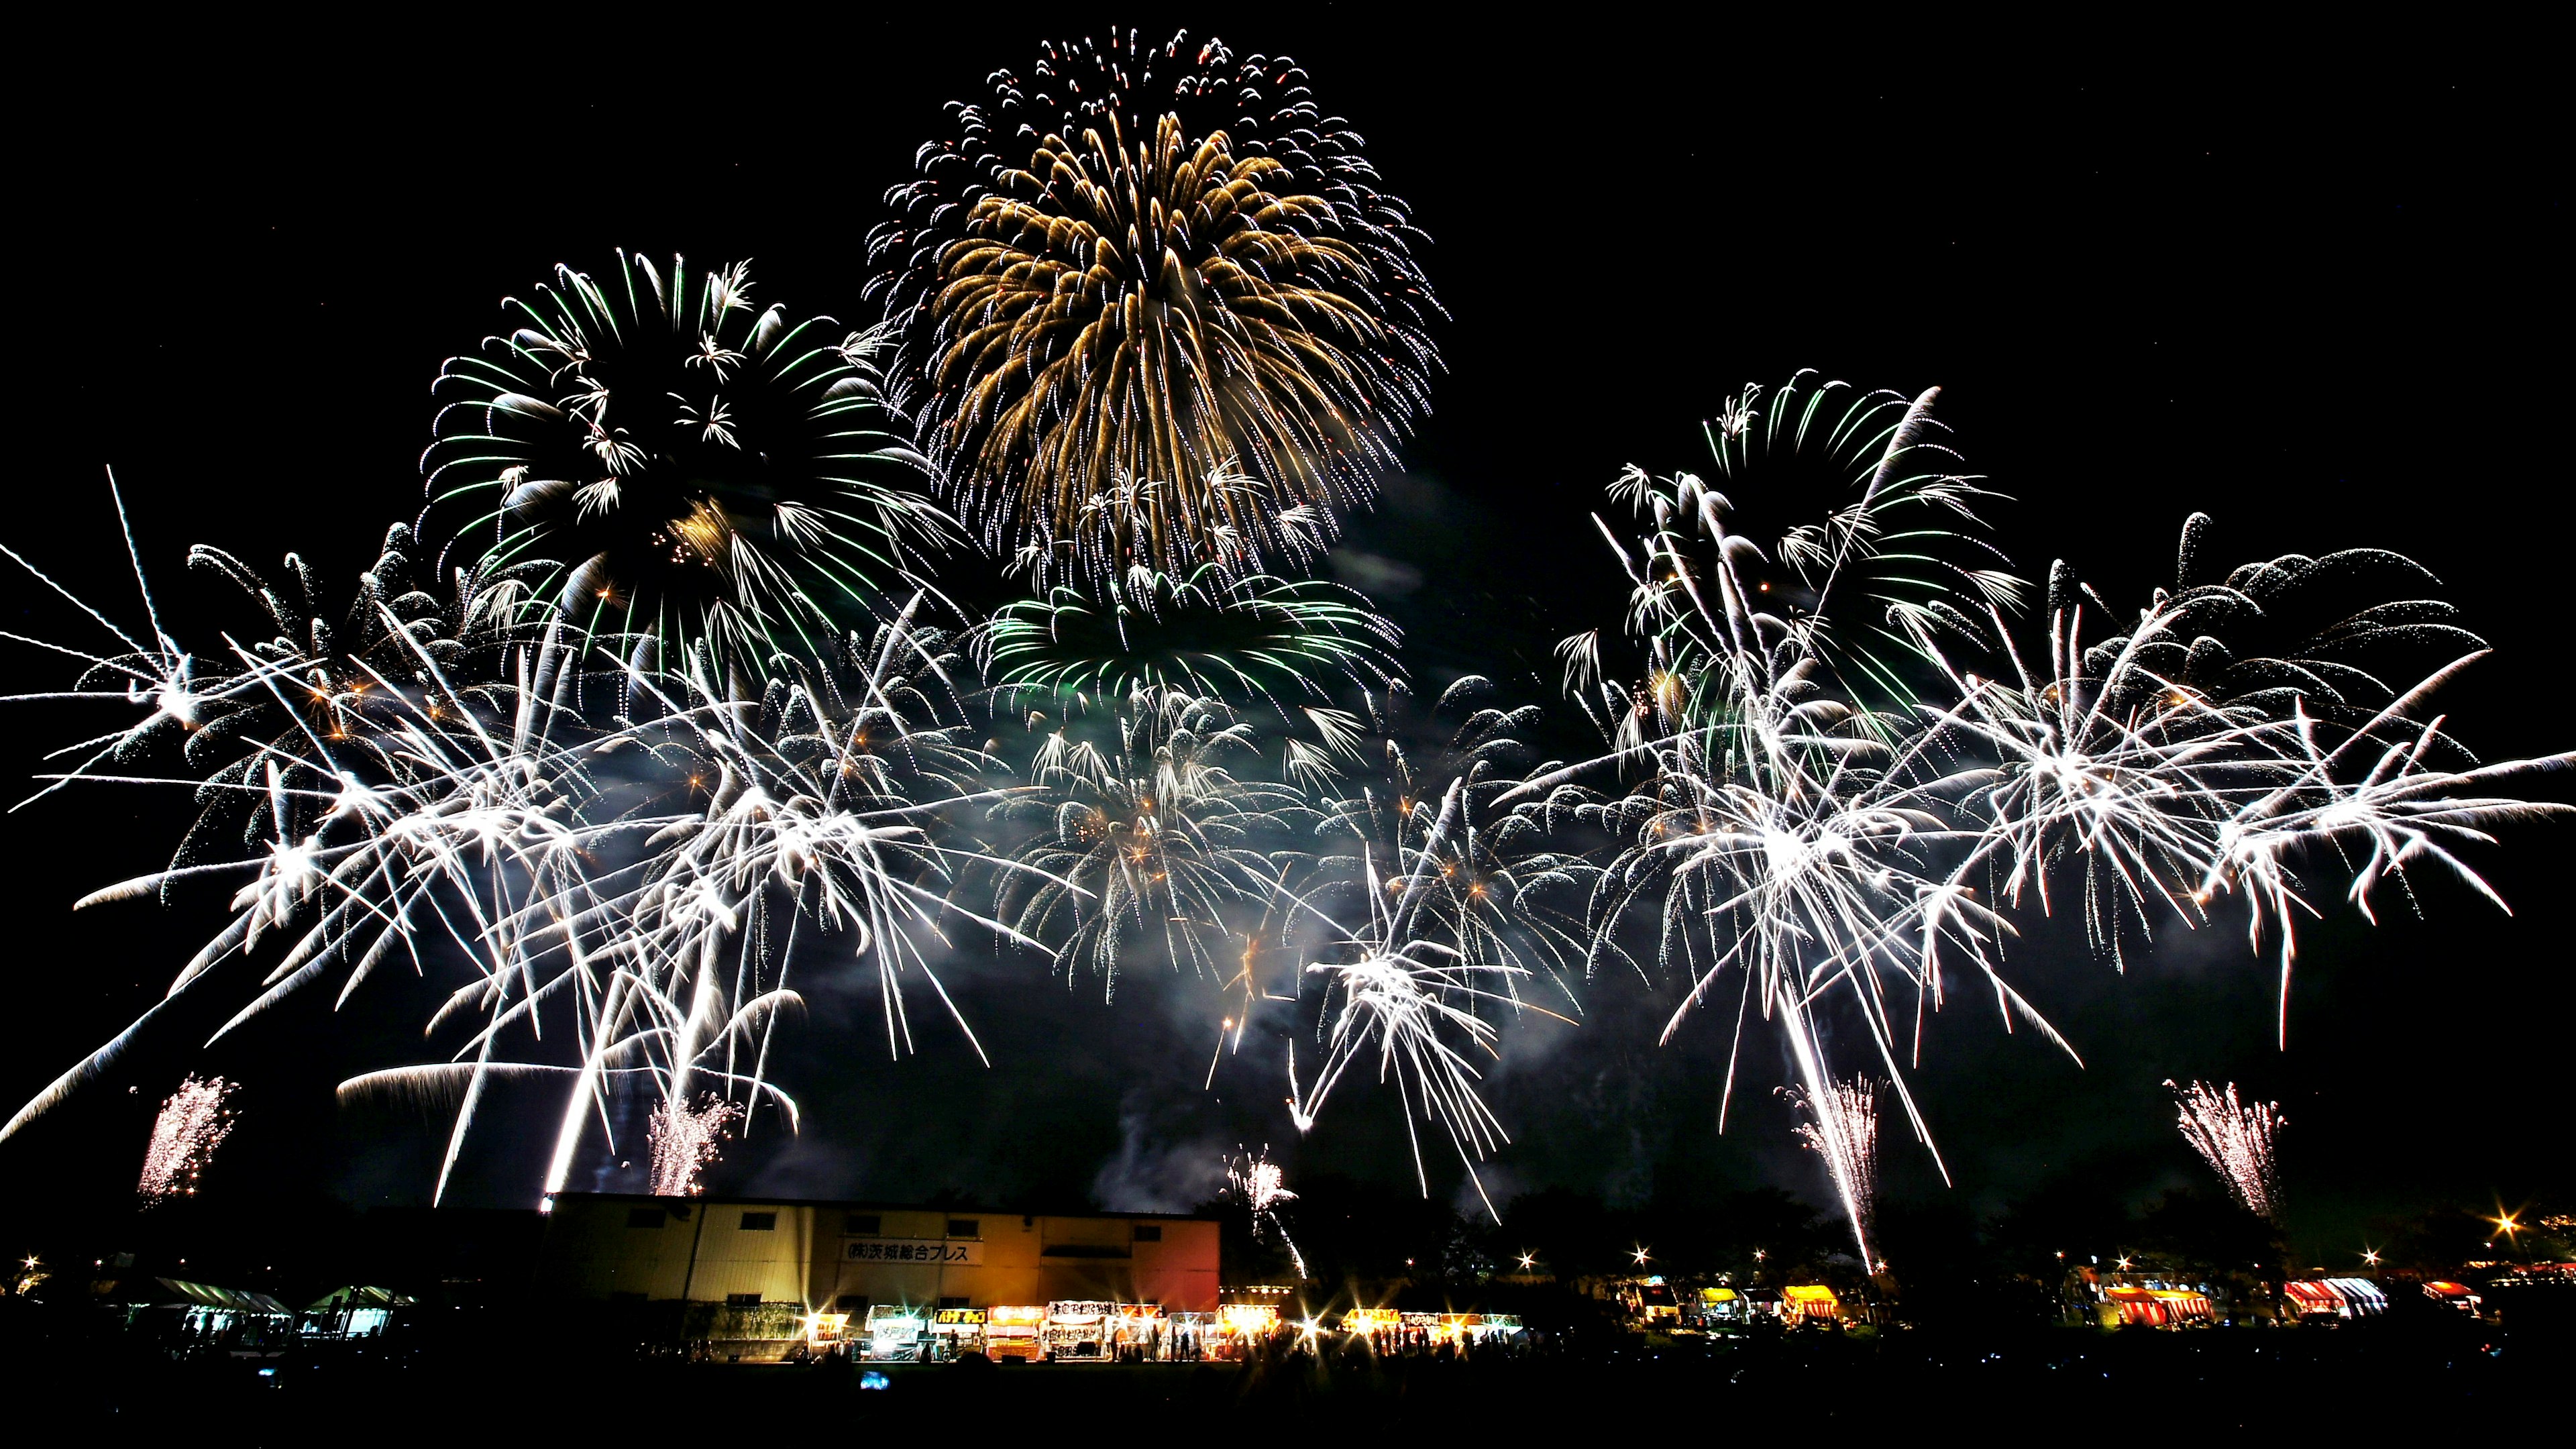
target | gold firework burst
x=1159, y=342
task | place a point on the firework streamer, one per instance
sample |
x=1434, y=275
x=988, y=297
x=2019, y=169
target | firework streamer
x=193, y=1122
x=1155, y=311
x=2236, y=1138
x=686, y=1141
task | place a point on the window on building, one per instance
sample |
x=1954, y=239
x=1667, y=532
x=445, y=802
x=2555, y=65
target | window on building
x=759, y=1223
x=646, y=1217
x=1149, y=1232
x=863, y=1225
x=965, y=1228
x=952, y=1302
x=742, y=1300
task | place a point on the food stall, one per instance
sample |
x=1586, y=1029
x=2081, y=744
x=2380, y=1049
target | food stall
x=1714, y=1308
x=894, y=1332
x=1241, y=1325
x=1370, y=1322
x=2187, y=1306
x=2313, y=1299
x=1137, y=1328
x=1013, y=1332
x=2157, y=1307
x=1809, y=1303
x=826, y=1332
x=958, y=1331
x=1077, y=1329
x=1191, y=1335
x=2453, y=1295
x=1652, y=1300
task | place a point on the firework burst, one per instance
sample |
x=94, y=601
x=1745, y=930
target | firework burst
x=1837, y=853
x=689, y=466
x=1245, y=639
x=1155, y=311
x=1416, y=1007
x=1422, y=796
x=627, y=851
x=193, y=1122
x=1150, y=834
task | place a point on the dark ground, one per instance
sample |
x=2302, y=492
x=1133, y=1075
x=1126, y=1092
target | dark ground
x=2430, y=1374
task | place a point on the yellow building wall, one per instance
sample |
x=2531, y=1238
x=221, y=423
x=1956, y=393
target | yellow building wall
x=593, y=1251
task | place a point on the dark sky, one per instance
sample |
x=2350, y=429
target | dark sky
x=2319, y=293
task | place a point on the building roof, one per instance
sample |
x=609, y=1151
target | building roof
x=870, y=1205
x=358, y=1295
x=204, y=1295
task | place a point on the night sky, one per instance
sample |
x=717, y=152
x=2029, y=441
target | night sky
x=2321, y=296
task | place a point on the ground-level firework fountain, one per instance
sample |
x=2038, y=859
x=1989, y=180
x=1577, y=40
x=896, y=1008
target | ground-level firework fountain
x=1260, y=1186
x=1842, y=1128
x=2236, y=1138
x=194, y=1121
x=686, y=1141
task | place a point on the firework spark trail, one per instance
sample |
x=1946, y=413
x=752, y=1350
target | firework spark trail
x=1842, y=1128
x=686, y=1141
x=1260, y=1186
x=2236, y=1139
x=193, y=1122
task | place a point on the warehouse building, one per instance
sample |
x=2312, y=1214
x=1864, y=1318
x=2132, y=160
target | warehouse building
x=847, y=1257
